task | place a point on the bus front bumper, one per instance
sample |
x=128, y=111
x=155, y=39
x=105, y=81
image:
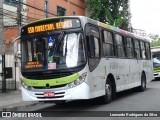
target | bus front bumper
x=79, y=92
x=157, y=75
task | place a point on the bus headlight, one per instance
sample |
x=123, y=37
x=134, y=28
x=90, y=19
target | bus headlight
x=80, y=80
x=26, y=86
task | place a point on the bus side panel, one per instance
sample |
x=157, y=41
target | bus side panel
x=97, y=79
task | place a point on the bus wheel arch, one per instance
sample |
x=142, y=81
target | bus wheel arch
x=110, y=90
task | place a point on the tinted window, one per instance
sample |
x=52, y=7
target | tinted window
x=148, y=52
x=108, y=46
x=120, y=45
x=61, y=11
x=137, y=49
x=143, y=50
x=108, y=37
x=130, y=49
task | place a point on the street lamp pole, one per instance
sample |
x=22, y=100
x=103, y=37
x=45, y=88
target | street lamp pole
x=46, y=8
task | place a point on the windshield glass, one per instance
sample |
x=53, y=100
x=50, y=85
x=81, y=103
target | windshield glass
x=156, y=59
x=55, y=51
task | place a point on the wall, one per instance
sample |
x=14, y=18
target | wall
x=77, y=6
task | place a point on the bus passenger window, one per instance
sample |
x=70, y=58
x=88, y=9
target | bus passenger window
x=120, y=45
x=143, y=50
x=137, y=49
x=130, y=49
x=148, y=53
x=108, y=45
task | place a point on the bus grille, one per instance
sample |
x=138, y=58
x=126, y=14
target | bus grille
x=48, y=76
x=49, y=97
x=51, y=87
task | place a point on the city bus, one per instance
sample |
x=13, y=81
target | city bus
x=76, y=58
x=156, y=61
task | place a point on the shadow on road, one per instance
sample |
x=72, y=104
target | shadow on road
x=89, y=105
x=156, y=80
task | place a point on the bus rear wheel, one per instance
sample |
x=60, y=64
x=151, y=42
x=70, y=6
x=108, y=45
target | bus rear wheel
x=142, y=87
x=107, y=98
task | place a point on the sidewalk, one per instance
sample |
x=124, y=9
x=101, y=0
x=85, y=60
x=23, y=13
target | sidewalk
x=12, y=100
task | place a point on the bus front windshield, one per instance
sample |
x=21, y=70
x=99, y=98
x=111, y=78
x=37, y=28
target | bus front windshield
x=54, y=51
x=156, y=59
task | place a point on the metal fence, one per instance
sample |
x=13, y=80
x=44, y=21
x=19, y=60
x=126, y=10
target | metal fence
x=12, y=68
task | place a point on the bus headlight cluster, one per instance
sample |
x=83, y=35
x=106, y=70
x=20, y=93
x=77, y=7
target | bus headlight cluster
x=80, y=80
x=25, y=86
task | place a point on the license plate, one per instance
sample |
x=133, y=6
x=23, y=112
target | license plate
x=49, y=94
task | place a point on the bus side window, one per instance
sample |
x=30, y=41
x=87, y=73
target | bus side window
x=120, y=46
x=137, y=49
x=143, y=52
x=108, y=44
x=148, y=53
x=130, y=49
x=93, y=46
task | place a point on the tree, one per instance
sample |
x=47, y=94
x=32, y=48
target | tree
x=155, y=43
x=114, y=12
x=155, y=40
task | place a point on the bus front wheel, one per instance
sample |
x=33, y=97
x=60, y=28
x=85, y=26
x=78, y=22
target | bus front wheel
x=107, y=98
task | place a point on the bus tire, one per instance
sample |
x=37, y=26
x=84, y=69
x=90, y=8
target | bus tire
x=142, y=87
x=107, y=98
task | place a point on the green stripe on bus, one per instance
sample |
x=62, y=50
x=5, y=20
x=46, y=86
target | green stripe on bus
x=156, y=69
x=51, y=82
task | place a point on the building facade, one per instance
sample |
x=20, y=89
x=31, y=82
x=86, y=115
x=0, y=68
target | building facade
x=19, y=12
x=50, y=8
x=10, y=29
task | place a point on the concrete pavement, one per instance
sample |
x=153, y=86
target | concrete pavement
x=12, y=101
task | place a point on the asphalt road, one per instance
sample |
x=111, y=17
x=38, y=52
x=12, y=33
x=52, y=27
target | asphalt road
x=130, y=100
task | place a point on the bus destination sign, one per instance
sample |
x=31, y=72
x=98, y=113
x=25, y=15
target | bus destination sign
x=31, y=65
x=49, y=27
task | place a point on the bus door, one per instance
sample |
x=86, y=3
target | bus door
x=95, y=67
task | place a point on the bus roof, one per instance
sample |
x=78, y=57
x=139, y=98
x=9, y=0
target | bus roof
x=107, y=26
x=116, y=29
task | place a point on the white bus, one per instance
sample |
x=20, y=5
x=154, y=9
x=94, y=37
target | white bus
x=156, y=61
x=75, y=57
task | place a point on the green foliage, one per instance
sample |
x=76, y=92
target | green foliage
x=155, y=43
x=155, y=40
x=114, y=12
